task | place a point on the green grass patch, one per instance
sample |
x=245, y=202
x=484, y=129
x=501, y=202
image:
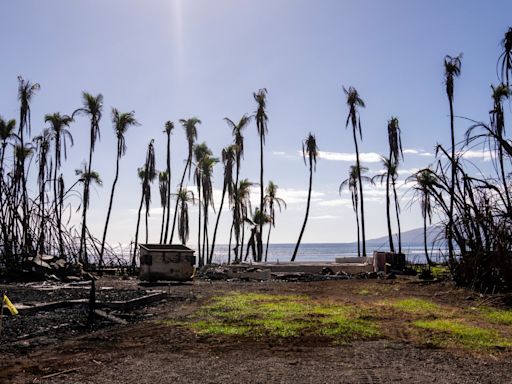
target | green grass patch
x=260, y=315
x=416, y=306
x=462, y=334
x=498, y=316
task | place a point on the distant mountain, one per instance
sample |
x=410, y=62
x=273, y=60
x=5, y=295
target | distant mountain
x=412, y=237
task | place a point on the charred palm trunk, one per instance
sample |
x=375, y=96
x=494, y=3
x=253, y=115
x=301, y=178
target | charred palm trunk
x=360, y=193
x=137, y=231
x=168, y=205
x=100, y=262
x=259, y=244
x=187, y=165
x=307, y=210
x=217, y=223
x=397, y=211
x=388, y=214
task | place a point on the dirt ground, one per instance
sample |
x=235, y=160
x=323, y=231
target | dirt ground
x=147, y=350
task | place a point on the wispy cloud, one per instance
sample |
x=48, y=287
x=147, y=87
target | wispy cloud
x=418, y=152
x=324, y=217
x=365, y=157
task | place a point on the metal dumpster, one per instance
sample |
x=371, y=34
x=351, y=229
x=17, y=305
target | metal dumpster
x=166, y=262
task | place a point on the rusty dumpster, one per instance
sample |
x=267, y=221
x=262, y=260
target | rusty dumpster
x=172, y=262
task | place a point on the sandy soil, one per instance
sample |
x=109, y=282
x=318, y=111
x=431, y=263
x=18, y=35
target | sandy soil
x=148, y=351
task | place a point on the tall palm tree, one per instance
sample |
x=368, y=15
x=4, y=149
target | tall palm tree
x=163, y=178
x=424, y=180
x=309, y=149
x=201, y=155
x=505, y=59
x=59, y=135
x=395, y=155
x=169, y=126
x=184, y=197
x=147, y=175
x=26, y=90
x=121, y=122
x=207, y=165
x=237, y=131
x=92, y=107
x=354, y=102
x=86, y=177
x=261, y=125
x=352, y=182
x=228, y=160
x=271, y=200
x=452, y=69
x=190, y=128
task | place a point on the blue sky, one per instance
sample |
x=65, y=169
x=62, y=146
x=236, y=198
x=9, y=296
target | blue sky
x=172, y=59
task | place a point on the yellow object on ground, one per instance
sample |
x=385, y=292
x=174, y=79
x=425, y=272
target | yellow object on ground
x=10, y=306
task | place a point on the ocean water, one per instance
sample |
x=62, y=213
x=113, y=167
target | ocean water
x=415, y=253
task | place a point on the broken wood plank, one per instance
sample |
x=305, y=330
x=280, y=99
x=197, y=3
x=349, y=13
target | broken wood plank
x=110, y=317
x=59, y=373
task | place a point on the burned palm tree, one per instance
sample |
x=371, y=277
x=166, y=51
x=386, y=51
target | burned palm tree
x=452, y=69
x=237, y=132
x=261, y=125
x=309, y=149
x=258, y=218
x=146, y=174
x=86, y=177
x=271, y=200
x=354, y=102
x=121, y=122
x=42, y=143
x=228, y=160
x=352, y=183
x=184, y=197
x=169, y=127
x=190, y=127
x=504, y=65
x=59, y=134
x=424, y=181
x=163, y=179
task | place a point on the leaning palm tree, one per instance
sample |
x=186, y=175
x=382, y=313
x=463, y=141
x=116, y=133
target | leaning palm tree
x=59, y=135
x=261, y=124
x=92, y=107
x=146, y=174
x=228, y=160
x=452, y=69
x=86, y=177
x=352, y=184
x=271, y=200
x=169, y=126
x=309, y=149
x=184, y=197
x=121, y=122
x=190, y=128
x=424, y=180
x=354, y=102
